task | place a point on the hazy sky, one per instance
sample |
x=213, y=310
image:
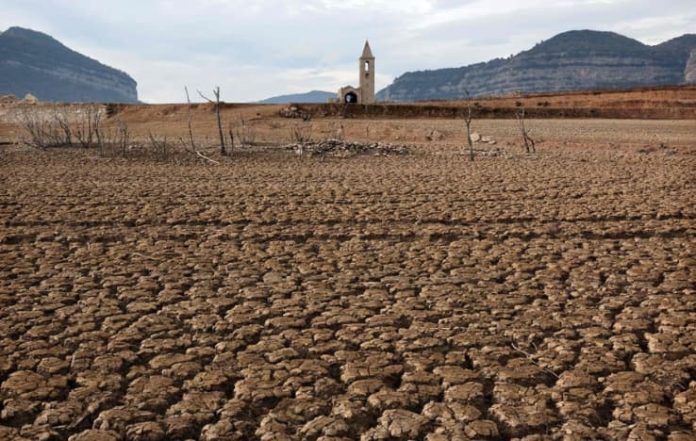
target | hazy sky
x=254, y=49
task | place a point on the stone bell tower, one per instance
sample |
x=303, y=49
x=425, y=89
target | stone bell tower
x=365, y=93
x=367, y=76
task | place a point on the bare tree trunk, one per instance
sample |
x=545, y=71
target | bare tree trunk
x=63, y=120
x=468, y=132
x=190, y=119
x=467, y=120
x=219, y=122
x=88, y=126
x=123, y=138
x=161, y=148
x=100, y=140
x=216, y=93
x=529, y=144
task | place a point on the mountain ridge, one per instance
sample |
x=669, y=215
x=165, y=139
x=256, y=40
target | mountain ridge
x=572, y=60
x=314, y=96
x=33, y=62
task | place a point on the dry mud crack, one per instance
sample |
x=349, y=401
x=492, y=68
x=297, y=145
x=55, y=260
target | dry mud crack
x=377, y=298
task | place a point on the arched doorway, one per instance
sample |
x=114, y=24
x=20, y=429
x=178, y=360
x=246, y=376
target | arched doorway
x=351, y=98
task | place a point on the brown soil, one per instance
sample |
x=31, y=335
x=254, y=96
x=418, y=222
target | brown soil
x=412, y=296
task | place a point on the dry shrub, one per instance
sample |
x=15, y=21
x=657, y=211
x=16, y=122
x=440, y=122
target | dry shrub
x=301, y=133
x=45, y=127
x=88, y=126
x=529, y=144
x=243, y=132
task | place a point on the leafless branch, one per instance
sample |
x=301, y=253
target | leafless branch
x=123, y=138
x=190, y=119
x=207, y=158
x=159, y=147
x=231, y=133
x=46, y=127
x=529, y=144
x=216, y=93
x=88, y=126
x=468, y=117
x=244, y=132
x=62, y=118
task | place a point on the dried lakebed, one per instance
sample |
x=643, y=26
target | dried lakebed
x=377, y=298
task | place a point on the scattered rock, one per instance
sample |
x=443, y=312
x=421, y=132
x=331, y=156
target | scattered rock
x=295, y=112
x=435, y=135
x=340, y=148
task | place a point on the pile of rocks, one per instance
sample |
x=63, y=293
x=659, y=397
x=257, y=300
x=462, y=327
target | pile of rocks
x=295, y=112
x=435, y=135
x=476, y=137
x=341, y=148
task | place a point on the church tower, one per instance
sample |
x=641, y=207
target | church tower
x=367, y=76
x=365, y=93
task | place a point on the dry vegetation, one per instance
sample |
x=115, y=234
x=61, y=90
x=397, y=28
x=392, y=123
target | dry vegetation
x=661, y=102
x=283, y=297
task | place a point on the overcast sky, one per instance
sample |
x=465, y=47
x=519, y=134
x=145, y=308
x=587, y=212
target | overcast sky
x=255, y=49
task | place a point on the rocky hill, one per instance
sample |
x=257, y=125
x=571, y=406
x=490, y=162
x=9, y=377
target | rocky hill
x=35, y=63
x=575, y=60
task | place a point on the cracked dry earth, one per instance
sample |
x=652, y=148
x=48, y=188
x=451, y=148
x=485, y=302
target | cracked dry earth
x=385, y=298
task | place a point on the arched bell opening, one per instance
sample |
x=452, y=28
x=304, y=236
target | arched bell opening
x=351, y=98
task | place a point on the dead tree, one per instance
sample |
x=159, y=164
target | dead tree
x=160, y=148
x=123, y=137
x=89, y=126
x=468, y=117
x=231, y=133
x=192, y=141
x=35, y=125
x=529, y=144
x=216, y=93
x=245, y=133
x=62, y=119
x=46, y=127
x=301, y=134
x=189, y=120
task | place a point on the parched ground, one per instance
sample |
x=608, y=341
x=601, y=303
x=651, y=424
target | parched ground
x=420, y=297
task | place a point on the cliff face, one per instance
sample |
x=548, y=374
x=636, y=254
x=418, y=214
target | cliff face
x=690, y=70
x=35, y=63
x=574, y=60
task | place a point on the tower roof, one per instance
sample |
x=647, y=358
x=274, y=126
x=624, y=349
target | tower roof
x=367, y=52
